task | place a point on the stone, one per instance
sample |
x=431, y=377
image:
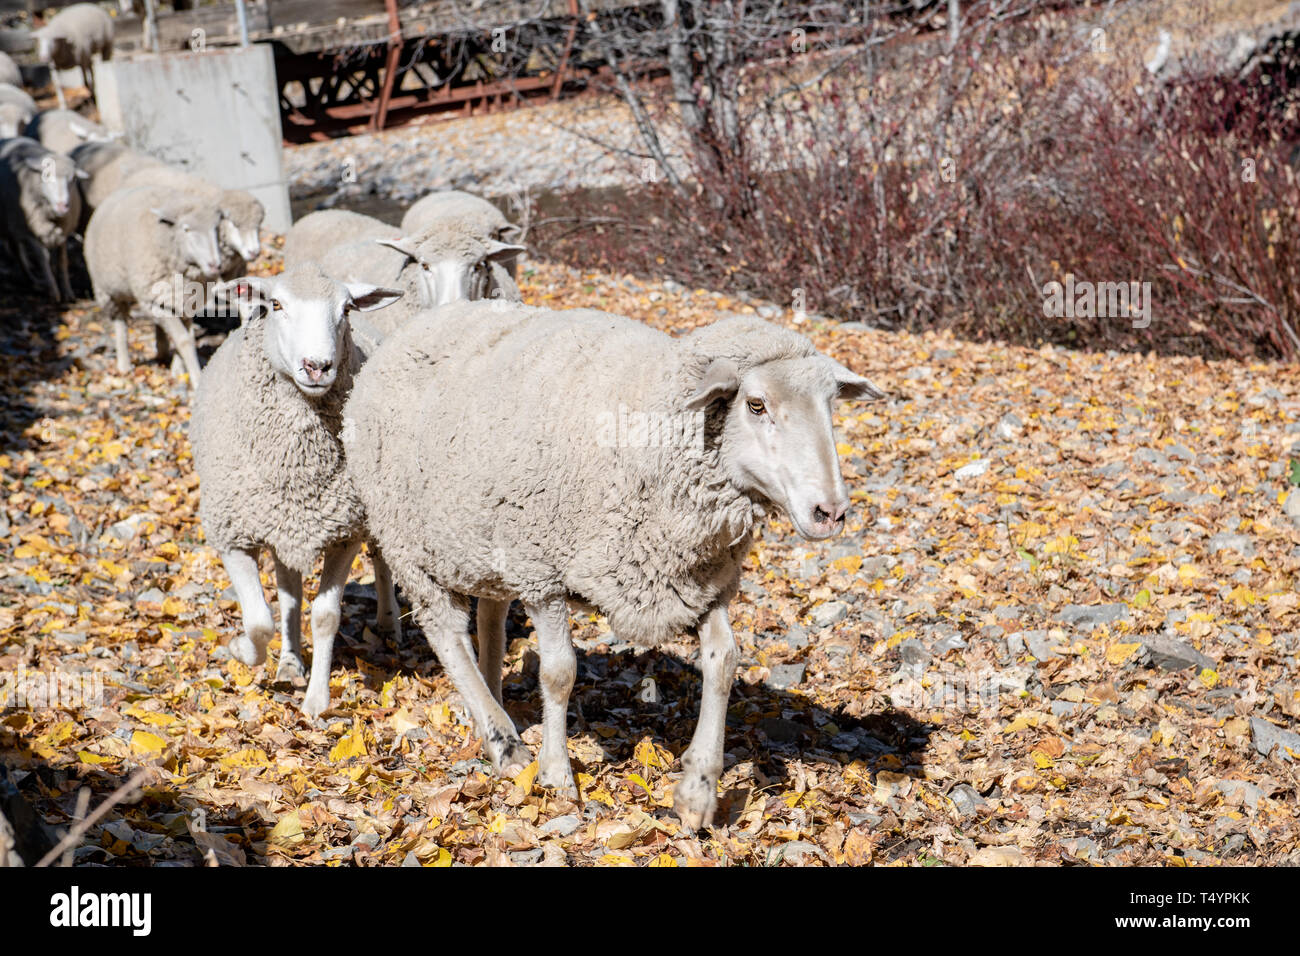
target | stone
x=560, y=826
x=832, y=612
x=1268, y=736
x=966, y=799
x=1240, y=543
x=913, y=652
x=786, y=675
x=1240, y=791
x=1171, y=654
x=1090, y=615
x=781, y=731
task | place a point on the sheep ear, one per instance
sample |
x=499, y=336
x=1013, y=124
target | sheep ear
x=81, y=129
x=402, y=244
x=853, y=387
x=502, y=251
x=367, y=298
x=510, y=233
x=167, y=217
x=720, y=381
x=81, y=173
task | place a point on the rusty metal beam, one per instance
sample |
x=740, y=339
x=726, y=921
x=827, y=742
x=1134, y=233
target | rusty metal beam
x=390, y=67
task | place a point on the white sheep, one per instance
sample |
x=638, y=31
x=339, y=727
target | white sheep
x=16, y=110
x=9, y=72
x=73, y=37
x=40, y=206
x=141, y=245
x=446, y=263
x=265, y=433
x=315, y=234
x=492, y=452
x=62, y=131
x=241, y=213
x=476, y=213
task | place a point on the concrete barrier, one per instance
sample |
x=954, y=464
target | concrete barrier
x=215, y=114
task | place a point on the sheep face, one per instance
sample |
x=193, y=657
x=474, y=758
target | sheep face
x=445, y=277
x=246, y=242
x=241, y=220
x=778, y=443
x=307, y=322
x=57, y=173
x=194, y=232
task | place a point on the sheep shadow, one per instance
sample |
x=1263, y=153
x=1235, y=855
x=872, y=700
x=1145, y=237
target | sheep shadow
x=624, y=694
x=29, y=355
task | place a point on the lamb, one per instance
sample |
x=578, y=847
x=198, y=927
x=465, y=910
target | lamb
x=62, y=131
x=73, y=37
x=446, y=263
x=488, y=449
x=108, y=165
x=40, y=206
x=265, y=433
x=16, y=110
x=139, y=246
x=241, y=213
x=315, y=234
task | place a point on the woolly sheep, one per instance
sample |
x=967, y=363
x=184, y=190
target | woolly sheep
x=141, y=245
x=489, y=450
x=62, y=131
x=40, y=206
x=241, y=213
x=446, y=263
x=108, y=165
x=314, y=235
x=479, y=215
x=16, y=110
x=73, y=37
x=9, y=72
x=265, y=433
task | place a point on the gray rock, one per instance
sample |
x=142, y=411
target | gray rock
x=786, y=675
x=949, y=642
x=832, y=612
x=1240, y=543
x=153, y=596
x=913, y=652
x=528, y=857
x=410, y=859
x=845, y=742
x=966, y=799
x=797, y=852
x=337, y=852
x=561, y=826
x=781, y=731
x=1171, y=654
x=796, y=637
x=1007, y=612
x=1250, y=793
x=1065, y=708
x=1090, y=615
x=1269, y=736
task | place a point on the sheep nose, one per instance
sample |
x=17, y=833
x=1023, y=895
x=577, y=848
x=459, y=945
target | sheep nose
x=830, y=514
x=316, y=368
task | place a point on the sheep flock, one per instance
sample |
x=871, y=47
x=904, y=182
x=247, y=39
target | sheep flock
x=391, y=390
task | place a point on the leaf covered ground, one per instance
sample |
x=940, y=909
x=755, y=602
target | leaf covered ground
x=1060, y=628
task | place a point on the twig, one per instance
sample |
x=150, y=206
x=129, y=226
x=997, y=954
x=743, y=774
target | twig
x=72, y=836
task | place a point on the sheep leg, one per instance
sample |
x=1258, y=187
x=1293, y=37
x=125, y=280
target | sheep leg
x=182, y=340
x=249, y=647
x=325, y=612
x=696, y=794
x=388, y=615
x=65, y=281
x=162, y=346
x=58, y=87
x=120, y=344
x=558, y=667
x=445, y=620
x=492, y=642
x=289, y=584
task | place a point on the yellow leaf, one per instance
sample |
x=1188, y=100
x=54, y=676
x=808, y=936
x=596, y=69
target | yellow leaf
x=1188, y=572
x=443, y=858
x=143, y=742
x=524, y=779
x=850, y=563
x=1209, y=677
x=287, y=832
x=113, y=451
x=243, y=759
x=173, y=607
x=646, y=754
x=663, y=859
x=1023, y=722
x=85, y=756
x=240, y=672
x=1119, y=653
x=387, y=692
x=1041, y=760
x=1143, y=598
x=351, y=744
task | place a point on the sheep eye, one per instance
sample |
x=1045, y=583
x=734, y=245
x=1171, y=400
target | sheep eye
x=349, y=308
x=275, y=304
x=756, y=406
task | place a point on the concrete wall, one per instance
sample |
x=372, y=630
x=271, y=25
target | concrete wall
x=215, y=114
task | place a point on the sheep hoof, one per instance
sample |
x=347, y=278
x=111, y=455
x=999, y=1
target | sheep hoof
x=247, y=649
x=315, y=701
x=694, y=801
x=290, y=669
x=511, y=758
x=561, y=783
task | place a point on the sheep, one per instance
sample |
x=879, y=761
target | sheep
x=241, y=213
x=10, y=75
x=488, y=449
x=40, y=206
x=62, y=131
x=446, y=263
x=109, y=165
x=73, y=37
x=265, y=435
x=481, y=216
x=315, y=234
x=16, y=110
x=140, y=246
